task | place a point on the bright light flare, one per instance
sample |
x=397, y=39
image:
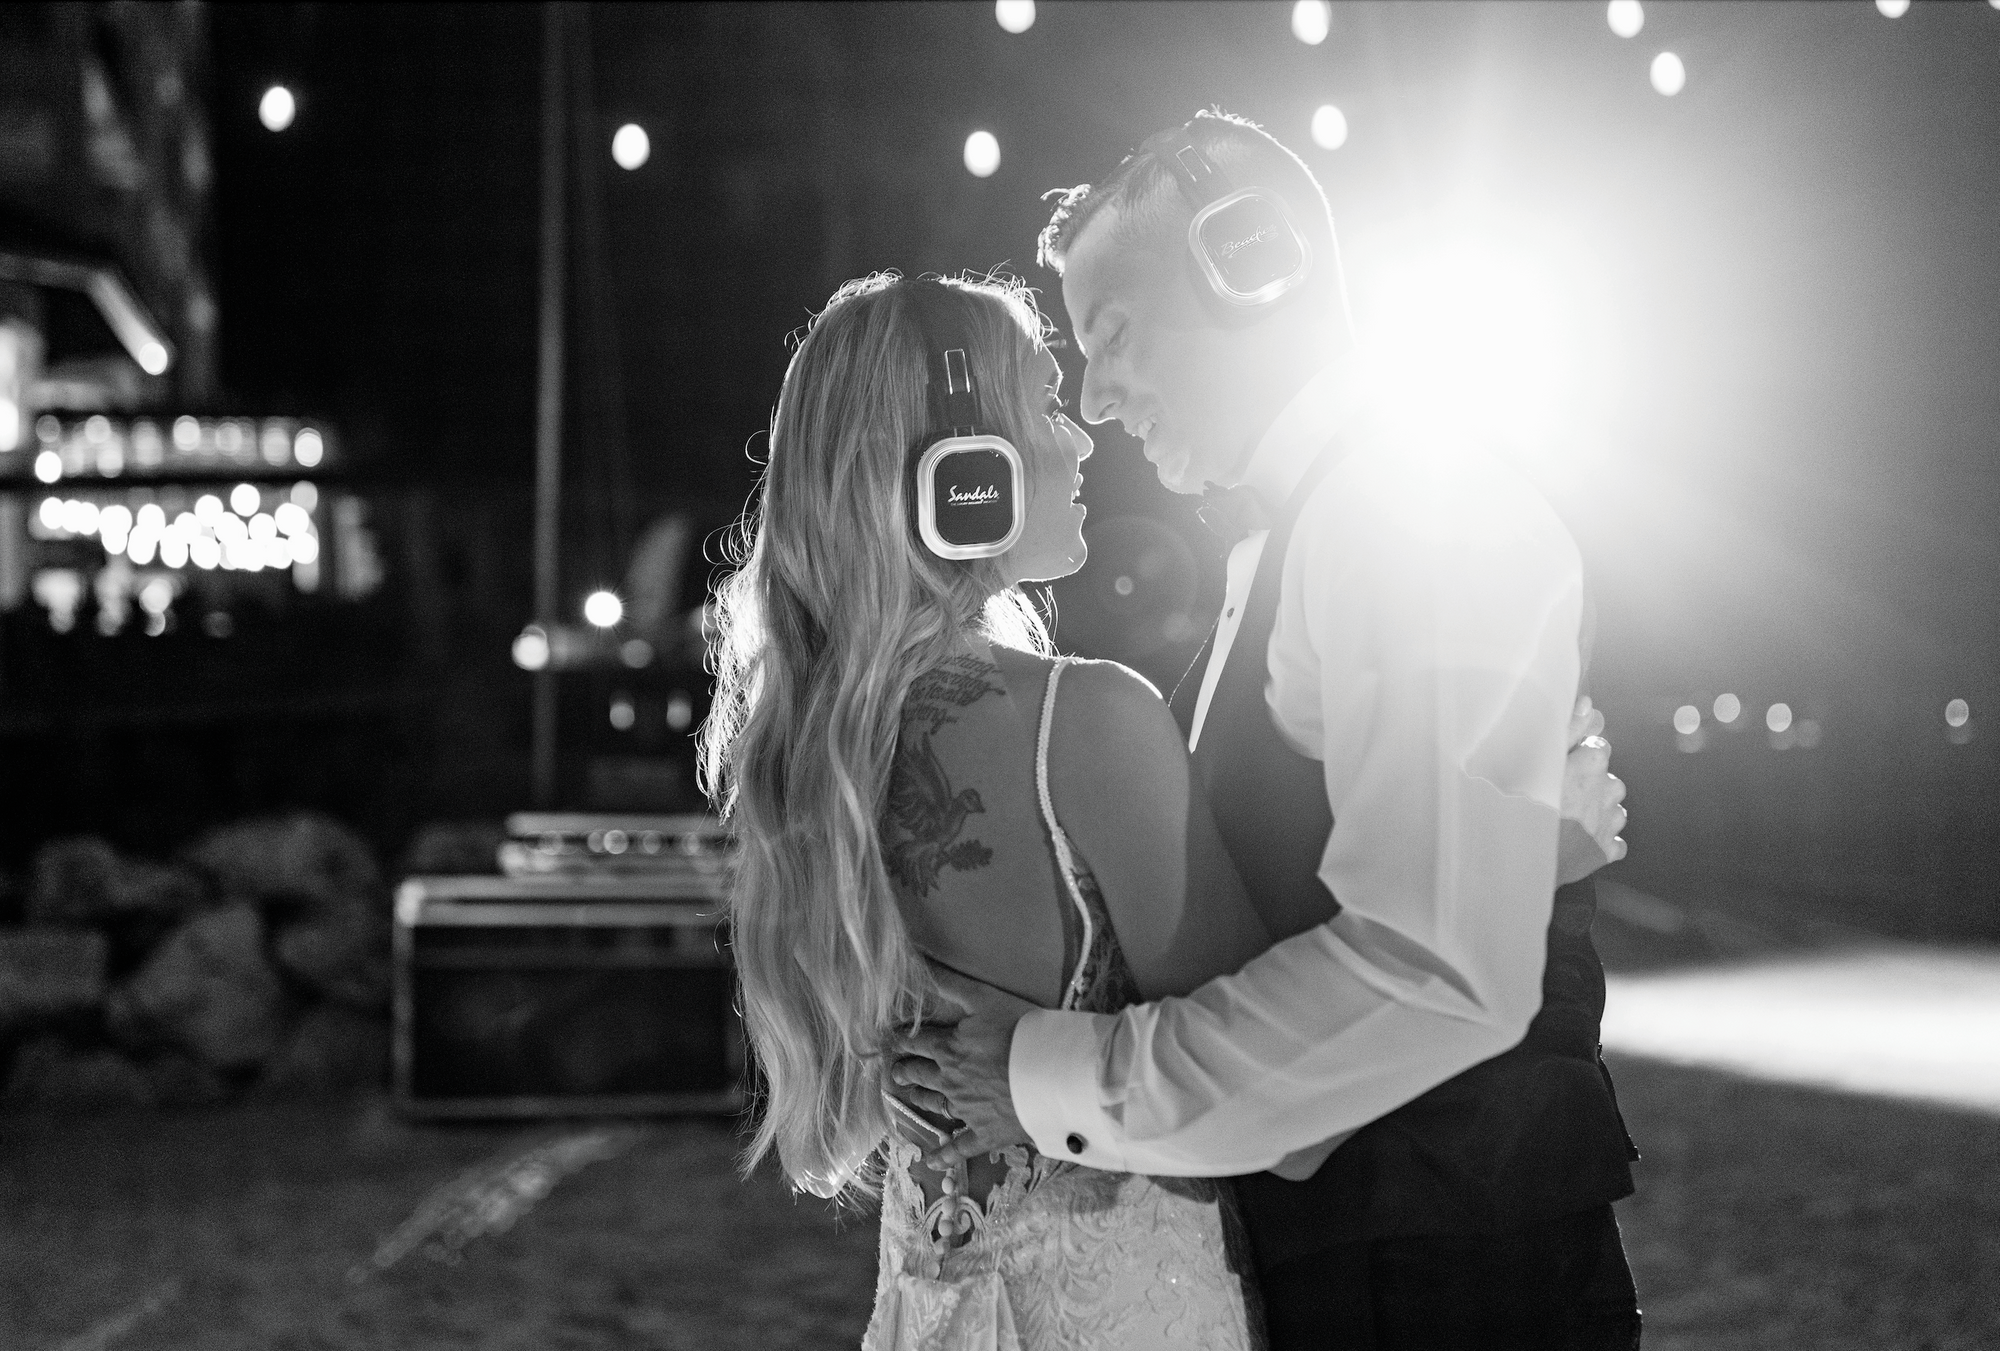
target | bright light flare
x=244, y=500
x=1957, y=713
x=982, y=154
x=277, y=108
x=1903, y=1022
x=603, y=608
x=48, y=466
x=1687, y=719
x=308, y=446
x=1669, y=74
x=1625, y=17
x=1778, y=717
x=153, y=358
x=630, y=146
x=1728, y=708
x=1312, y=20
x=1892, y=9
x=1329, y=127
x=1014, y=16
x=1475, y=331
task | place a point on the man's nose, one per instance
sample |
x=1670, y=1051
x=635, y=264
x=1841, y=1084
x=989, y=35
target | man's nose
x=1098, y=400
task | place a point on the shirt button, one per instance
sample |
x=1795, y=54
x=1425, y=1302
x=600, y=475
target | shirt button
x=1230, y=613
x=1077, y=1144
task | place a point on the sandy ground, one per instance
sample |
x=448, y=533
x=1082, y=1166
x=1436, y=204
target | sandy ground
x=1767, y=1217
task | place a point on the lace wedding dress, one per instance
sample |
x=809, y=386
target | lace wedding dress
x=1059, y=1256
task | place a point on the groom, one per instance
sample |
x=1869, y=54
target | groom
x=1380, y=727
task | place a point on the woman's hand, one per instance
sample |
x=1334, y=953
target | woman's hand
x=1593, y=811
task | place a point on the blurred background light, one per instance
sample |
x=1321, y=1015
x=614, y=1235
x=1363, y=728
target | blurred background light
x=1778, y=717
x=306, y=494
x=1809, y=732
x=531, y=648
x=1015, y=16
x=630, y=146
x=982, y=154
x=48, y=466
x=1329, y=127
x=308, y=446
x=152, y=358
x=623, y=714
x=1892, y=9
x=1957, y=713
x=1311, y=21
x=244, y=499
x=277, y=108
x=1687, y=719
x=1728, y=708
x=1669, y=75
x=1625, y=17
x=603, y=608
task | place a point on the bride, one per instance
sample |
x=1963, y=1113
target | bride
x=914, y=775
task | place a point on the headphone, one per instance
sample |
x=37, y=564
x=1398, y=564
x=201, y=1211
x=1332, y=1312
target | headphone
x=968, y=482
x=1244, y=241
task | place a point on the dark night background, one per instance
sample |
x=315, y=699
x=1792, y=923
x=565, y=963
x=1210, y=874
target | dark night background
x=1777, y=455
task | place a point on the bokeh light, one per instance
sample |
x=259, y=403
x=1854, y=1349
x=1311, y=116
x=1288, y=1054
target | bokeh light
x=1728, y=708
x=1311, y=21
x=1625, y=17
x=623, y=714
x=1687, y=718
x=531, y=648
x=1778, y=717
x=308, y=446
x=630, y=146
x=48, y=466
x=1669, y=75
x=1957, y=713
x=603, y=608
x=1329, y=127
x=1015, y=16
x=244, y=499
x=982, y=154
x=277, y=108
x=153, y=358
x=1892, y=9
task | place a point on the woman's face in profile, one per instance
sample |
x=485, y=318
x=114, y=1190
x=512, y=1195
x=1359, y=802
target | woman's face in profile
x=1052, y=455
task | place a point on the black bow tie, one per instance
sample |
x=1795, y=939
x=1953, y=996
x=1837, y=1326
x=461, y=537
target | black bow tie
x=1233, y=513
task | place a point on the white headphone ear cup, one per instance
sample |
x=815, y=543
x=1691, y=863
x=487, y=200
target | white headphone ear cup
x=970, y=496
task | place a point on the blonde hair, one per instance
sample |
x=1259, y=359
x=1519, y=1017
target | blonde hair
x=835, y=610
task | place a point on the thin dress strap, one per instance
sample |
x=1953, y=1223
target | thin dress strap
x=1065, y=858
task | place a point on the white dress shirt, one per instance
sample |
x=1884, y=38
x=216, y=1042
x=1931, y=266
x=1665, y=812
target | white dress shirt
x=1425, y=653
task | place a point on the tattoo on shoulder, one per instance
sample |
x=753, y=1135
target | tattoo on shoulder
x=923, y=826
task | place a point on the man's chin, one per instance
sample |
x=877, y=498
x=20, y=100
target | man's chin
x=1172, y=470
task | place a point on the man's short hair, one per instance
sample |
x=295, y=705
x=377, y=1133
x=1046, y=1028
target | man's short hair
x=1150, y=210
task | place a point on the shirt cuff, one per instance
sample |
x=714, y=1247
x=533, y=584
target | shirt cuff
x=1053, y=1075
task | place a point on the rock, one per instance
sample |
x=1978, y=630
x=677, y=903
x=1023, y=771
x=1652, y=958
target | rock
x=318, y=886
x=332, y=1050
x=209, y=990
x=46, y=973
x=304, y=863
x=338, y=959
x=51, y=1072
x=454, y=849
x=83, y=881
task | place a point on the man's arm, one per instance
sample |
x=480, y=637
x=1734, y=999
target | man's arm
x=1442, y=649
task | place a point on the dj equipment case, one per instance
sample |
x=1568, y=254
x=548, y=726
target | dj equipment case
x=565, y=995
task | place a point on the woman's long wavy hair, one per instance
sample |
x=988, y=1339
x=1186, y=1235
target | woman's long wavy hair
x=835, y=609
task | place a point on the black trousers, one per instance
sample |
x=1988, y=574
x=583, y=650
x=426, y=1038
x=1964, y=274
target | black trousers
x=1561, y=1285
